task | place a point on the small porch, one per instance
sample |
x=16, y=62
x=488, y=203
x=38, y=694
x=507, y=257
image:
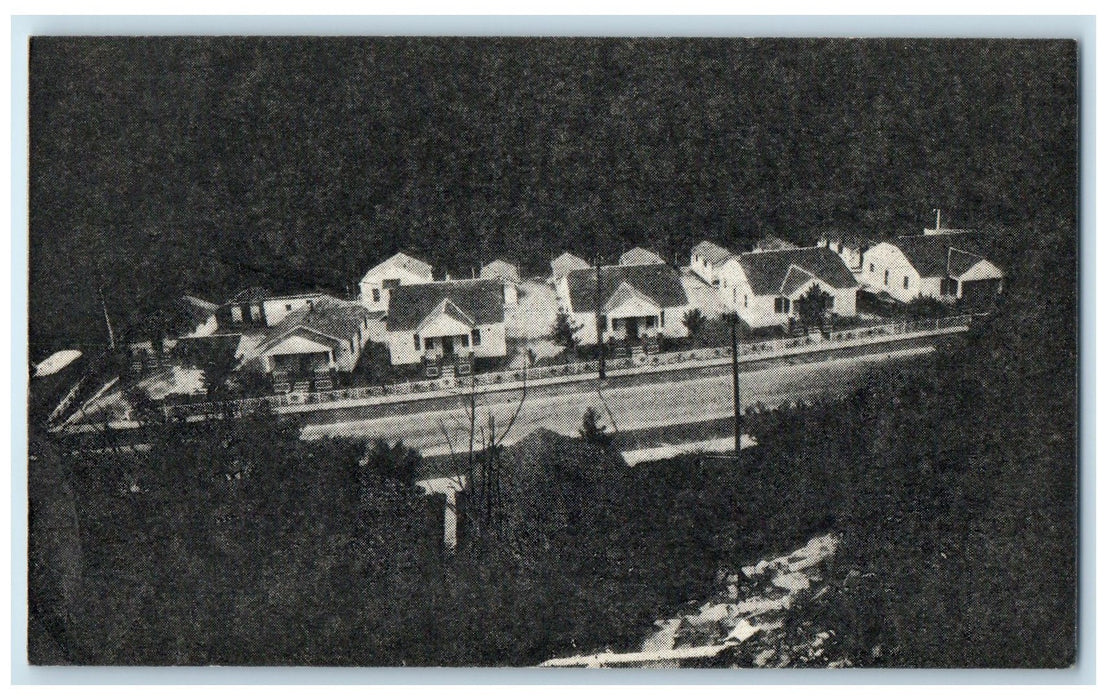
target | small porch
x=631, y=314
x=438, y=347
x=298, y=355
x=634, y=327
x=453, y=364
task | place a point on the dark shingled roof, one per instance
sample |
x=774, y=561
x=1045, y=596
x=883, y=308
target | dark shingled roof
x=960, y=262
x=658, y=282
x=796, y=278
x=768, y=270
x=249, y=295
x=930, y=254
x=409, y=304
x=326, y=316
x=712, y=253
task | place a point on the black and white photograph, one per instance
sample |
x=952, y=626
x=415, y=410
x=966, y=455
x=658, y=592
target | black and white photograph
x=601, y=352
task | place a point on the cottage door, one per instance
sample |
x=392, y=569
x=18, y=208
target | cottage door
x=632, y=328
x=447, y=346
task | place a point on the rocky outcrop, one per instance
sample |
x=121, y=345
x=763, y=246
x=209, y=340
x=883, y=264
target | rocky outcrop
x=755, y=620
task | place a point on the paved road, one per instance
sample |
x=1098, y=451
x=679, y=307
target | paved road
x=632, y=407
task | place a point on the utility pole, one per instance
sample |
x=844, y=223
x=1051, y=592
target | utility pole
x=737, y=399
x=600, y=320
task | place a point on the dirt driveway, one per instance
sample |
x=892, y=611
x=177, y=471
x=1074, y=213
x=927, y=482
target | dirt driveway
x=536, y=311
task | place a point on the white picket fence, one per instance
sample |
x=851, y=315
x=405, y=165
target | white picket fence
x=569, y=371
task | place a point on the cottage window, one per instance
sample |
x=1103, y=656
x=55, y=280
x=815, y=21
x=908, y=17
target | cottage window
x=464, y=341
x=872, y=267
x=886, y=278
x=746, y=300
x=663, y=317
x=288, y=307
x=376, y=295
x=948, y=287
x=416, y=339
x=476, y=336
x=256, y=309
x=906, y=281
x=236, y=314
x=782, y=305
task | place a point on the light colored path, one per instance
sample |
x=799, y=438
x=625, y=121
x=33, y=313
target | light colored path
x=534, y=315
x=634, y=407
x=649, y=454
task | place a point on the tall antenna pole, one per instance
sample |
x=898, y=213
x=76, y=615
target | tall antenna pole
x=938, y=222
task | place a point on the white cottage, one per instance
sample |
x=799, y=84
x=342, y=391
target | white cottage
x=762, y=287
x=633, y=300
x=398, y=270
x=564, y=264
x=849, y=247
x=707, y=258
x=940, y=266
x=446, y=319
x=276, y=308
x=506, y=274
x=324, y=334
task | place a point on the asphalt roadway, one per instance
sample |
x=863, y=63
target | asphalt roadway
x=678, y=400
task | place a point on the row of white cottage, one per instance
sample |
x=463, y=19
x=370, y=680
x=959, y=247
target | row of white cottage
x=763, y=286
x=417, y=317
x=642, y=295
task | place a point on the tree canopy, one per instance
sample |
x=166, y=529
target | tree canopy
x=207, y=164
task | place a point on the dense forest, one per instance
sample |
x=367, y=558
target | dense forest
x=953, y=485
x=163, y=165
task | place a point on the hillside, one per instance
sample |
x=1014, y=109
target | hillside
x=165, y=165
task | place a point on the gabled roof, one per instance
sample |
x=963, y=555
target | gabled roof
x=711, y=253
x=659, y=283
x=404, y=262
x=450, y=310
x=796, y=278
x=195, y=310
x=481, y=300
x=623, y=294
x=768, y=270
x=640, y=256
x=327, y=316
x=959, y=262
x=499, y=269
x=566, y=262
x=929, y=254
